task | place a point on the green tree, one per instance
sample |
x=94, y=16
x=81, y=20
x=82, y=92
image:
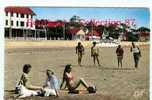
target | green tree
x=143, y=29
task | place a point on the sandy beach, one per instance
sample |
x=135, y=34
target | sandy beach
x=112, y=83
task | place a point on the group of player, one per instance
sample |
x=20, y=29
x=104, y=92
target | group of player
x=119, y=52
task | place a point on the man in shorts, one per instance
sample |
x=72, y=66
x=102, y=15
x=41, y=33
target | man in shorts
x=136, y=54
x=95, y=53
x=119, y=52
x=79, y=52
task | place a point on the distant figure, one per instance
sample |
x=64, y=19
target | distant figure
x=50, y=88
x=136, y=53
x=119, y=52
x=95, y=53
x=80, y=52
x=71, y=84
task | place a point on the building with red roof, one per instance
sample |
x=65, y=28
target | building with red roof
x=72, y=31
x=55, y=24
x=19, y=21
x=21, y=10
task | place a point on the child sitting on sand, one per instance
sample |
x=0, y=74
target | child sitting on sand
x=50, y=87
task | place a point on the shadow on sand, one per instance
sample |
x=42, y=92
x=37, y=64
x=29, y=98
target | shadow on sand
x=101, y=67
x=105, y=68
x=10, y=91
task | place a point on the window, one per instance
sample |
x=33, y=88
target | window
x=27, y=16
x=22, y=23
x=16, y=23
x=22, y=15
x=11, y=23
x=6, y=13
x=6, y=22
x=16, y=14
x=11, y=14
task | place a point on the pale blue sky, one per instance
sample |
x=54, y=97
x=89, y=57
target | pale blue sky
x=141, y=15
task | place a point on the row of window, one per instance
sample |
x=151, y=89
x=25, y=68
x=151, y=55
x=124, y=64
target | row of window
x=17, y=23
x=17, y=15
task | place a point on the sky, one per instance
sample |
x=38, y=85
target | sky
x=140, y=16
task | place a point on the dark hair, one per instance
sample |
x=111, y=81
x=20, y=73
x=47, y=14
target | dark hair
x=26, y=67
x=119, y=46
x=94, y=42
x=67, y=67
x=49, y=71
x=133, y=44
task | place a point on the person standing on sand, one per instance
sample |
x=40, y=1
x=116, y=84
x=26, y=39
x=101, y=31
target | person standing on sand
x=95, y=53
x=119, y=52
x=136, y=53
x=79, y=52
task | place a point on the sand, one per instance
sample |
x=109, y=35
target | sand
x=112, y=83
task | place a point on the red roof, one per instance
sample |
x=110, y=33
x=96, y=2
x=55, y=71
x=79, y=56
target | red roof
x=73, y=30
x=94, y=33
x=22, y=10
x=144, y=33
x=54, y=24
x=41, y=23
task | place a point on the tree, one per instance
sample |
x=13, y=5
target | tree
x=112, y=31
x=132, y=37
x=143, y=29
x=75, y=18
x=100, y=29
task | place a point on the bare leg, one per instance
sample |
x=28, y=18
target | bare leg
x=62, y=84
x=136, y=63
x=136, y=59
x=121, y=63
x=118, y=62
x=81, y=81
x=94, y=58
x=79, y=59
x=98, y=60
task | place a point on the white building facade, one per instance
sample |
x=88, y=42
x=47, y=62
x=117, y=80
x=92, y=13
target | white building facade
x=19, y=22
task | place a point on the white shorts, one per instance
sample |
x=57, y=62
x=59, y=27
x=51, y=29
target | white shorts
x=49, y=92
x=24, y=92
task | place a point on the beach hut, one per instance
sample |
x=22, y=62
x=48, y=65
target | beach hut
x=80, y=35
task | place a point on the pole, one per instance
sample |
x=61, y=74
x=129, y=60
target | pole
x=92, y=31
x=35, y=34
x=10, y=29
x=23, y=34
x=64, y=31
x=45, y=33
